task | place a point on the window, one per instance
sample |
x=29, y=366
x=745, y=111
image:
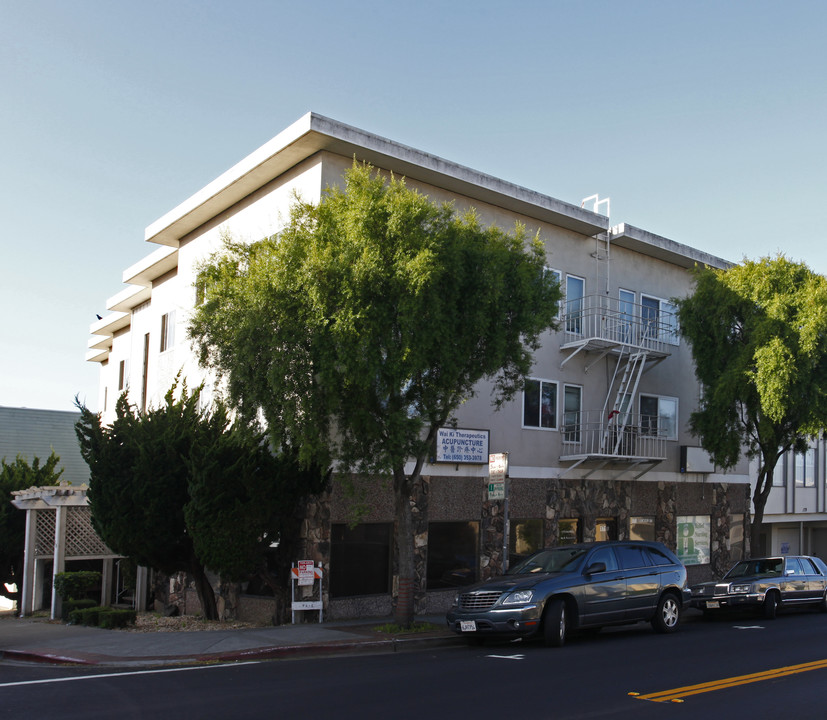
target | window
x=693, y=539
x=360, y=559
x=575, y=288
x=167, y=330
x=805, y=468
x=568, y=531
x=540, y=404
x=572, y=401
x=632, y=556
x=642, y=528
x=453, y=552
x=607, y=556
x=121, y=375
x=558, y=276
x=626, y=315
x=778, y=479
x=525, y=537
x=145, y=374
x=605, y=529
x=659, y=416
x=659, y=319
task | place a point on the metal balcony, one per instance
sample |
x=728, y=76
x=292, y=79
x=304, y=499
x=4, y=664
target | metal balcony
x=606, y=324
x=626, y=440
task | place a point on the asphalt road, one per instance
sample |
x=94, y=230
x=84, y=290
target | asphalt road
x=743, y=667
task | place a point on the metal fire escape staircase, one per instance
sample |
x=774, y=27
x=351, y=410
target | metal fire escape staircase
x=616, y=436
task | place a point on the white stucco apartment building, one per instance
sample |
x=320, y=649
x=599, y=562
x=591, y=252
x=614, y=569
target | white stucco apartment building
x=598, y=444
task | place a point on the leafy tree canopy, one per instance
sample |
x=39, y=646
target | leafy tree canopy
x=179, y=488
x=758, y=333
x=363, y=325
x=19, y=475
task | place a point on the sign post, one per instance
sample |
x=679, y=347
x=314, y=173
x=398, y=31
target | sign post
x=498, y=490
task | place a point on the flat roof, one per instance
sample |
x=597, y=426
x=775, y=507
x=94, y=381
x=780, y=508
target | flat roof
x=314, y=133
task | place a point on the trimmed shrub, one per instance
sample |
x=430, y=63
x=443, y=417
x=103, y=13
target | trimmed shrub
x=75, y=585
x=70, y=606
x=87, y=616
x=116, y=618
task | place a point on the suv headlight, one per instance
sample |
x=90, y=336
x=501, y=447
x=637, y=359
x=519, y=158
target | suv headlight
x=735, y=589
x=519, y=597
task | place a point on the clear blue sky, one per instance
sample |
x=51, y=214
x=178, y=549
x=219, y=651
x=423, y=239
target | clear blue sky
x=705, y=122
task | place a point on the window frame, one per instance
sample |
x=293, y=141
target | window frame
x=659, y=398
x=574, y=319
x=572, y=436
x=167, y=331
x=540, y=426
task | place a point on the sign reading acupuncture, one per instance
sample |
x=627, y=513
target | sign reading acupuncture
x=455, y=445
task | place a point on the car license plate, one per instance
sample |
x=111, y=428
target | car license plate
x=467, y=626
x=712, y=604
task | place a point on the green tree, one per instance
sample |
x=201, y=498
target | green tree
x=362, y=326
x=177, y=488
x=758, y=333
x=19, y=475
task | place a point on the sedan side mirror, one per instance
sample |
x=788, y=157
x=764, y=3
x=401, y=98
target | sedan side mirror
x=596, y=567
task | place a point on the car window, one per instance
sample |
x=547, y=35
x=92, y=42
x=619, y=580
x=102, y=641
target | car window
x=793, y=567
x=809, y=566
x=604, y=555
x=632, y=556
x=658, y=558
x=562, y=559
x=764, y=567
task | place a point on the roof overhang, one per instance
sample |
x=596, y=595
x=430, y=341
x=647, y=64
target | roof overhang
x=314, y=133
x=633, y=238
x=43, y=498
x=151, y=267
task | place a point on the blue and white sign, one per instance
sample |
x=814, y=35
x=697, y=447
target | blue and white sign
x=455, y=445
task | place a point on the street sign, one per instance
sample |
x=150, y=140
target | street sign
x=496, y=490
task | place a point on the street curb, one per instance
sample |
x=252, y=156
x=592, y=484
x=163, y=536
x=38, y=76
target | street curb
x=342, y=647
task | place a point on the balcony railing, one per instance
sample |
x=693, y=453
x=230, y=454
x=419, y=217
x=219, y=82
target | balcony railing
x=626, y=436
x=615, y=322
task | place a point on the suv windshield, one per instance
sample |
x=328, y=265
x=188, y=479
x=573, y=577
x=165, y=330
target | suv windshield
x=765, y=567
x=562, y=559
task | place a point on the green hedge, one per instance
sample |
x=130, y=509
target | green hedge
x=102, y=617
x=75, y=585
x=70, y=606
x=116, y=618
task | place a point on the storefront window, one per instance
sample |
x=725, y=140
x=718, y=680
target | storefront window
x=642, y=528
x=453, y=554
x=525, y=537
x=605, y=529
x=360, y=559
x=693, y=539
x=569, y=531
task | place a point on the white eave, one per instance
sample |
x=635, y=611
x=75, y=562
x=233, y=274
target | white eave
x=314, y=133
x=633, y=238
x=151, y=267
x=129, y=298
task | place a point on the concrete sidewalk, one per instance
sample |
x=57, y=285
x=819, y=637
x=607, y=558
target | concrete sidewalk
x=41, y=640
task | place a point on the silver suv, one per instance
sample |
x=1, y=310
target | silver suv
x=576, y=586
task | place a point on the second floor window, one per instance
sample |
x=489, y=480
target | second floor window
x=659, y=416
x=167, y=330
x=540, y=404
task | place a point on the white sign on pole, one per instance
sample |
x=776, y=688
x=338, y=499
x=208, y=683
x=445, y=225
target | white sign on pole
x=497, y=472
x=306, y=572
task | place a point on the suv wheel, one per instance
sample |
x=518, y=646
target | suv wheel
x=667, y=614
x=555, y=623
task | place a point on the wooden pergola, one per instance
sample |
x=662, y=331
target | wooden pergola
x=59, y=528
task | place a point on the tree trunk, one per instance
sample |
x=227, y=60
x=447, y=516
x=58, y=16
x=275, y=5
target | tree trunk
x=206, y=595
x=404, y=542
x=763, y=486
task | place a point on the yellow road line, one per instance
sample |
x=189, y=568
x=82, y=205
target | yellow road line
x=678, y=693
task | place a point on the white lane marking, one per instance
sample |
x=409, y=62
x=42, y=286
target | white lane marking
x=507, y=657
x=124, y=674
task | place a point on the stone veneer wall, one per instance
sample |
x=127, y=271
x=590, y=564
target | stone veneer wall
x=439, y=499
x=464, y=499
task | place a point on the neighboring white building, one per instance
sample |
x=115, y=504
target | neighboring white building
x=795, y=518
x=598, y=443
